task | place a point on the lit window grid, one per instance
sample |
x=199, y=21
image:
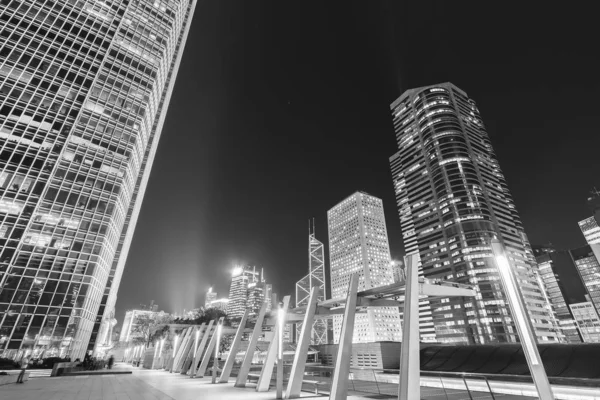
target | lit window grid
x=87, y=324
x=418, y=221
x=359, y=245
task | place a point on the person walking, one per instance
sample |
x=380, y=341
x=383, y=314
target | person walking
x=24, y=364
x=111, y=361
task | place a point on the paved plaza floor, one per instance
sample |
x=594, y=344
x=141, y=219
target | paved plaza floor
x=141, y=385
x=160, y=385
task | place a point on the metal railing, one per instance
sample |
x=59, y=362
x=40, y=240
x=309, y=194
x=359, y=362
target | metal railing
x=455, y=386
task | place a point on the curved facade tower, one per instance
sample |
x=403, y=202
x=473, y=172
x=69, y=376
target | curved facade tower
x=85, y=86
x=453, y=199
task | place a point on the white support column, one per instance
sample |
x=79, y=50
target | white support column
x=295, y=383
x=339, y=384
x=154, y=358
x=200, y=349
x=242, y=377
x=178, y=341
x=267, y=372
x=522, y=321
x=409, y=387
x=209, y=350
x=189, y=358
x=185, y=348
x=234, y=349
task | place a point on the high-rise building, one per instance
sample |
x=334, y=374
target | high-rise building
x=209, y=297
x=258, y=293
x=587, y=320
x=315, y=278
x=85, y=86
x=589, y=271
x=590, y=227
x=453, y=200
x=358, y=244
x=241, y=279
x=555, y=292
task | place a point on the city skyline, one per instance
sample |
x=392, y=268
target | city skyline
x=267, y=130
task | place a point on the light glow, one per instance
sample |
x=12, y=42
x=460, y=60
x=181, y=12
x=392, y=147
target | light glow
x=504, y=268
x=237, y=271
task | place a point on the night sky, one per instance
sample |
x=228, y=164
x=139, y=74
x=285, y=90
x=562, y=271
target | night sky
x=281, y=110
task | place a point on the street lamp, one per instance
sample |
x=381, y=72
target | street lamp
x=216, y=362
x=522, y=322
x=280, y=323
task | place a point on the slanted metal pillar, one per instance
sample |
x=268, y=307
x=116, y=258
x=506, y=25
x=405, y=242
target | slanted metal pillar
x=409, y=387
x=522, y=322
x=242, y=376
x=185, y=348
x=198, y=355
x=234, y=349
x=154, y=358
x=339, y=384
x=209, y=350
x=295, y=383
x=267, y=372
x=187, y=362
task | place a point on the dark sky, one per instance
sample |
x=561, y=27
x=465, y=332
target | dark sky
x=281, y=110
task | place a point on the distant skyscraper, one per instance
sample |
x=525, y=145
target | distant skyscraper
x=358, y=244
x=85, y=86
x=590, y=227
x=589, y=271
x=209, y=297
x=555, y=292
x=315, y=278
x=452, y=200
x=257, y=294
x=244, y=291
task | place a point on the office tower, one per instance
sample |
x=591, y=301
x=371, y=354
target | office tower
x=85, y=86
x=257, y=294
x=209, y=297
x=588, y=321
x=554, y=291
x=315, y=278
x=452, y=200
x=358, y=244
x=589, y=271
x=238, y=290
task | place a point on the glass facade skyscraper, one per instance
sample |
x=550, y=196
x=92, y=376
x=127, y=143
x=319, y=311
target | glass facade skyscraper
x=358, y=244
x=453, y=199
x=85, y=89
